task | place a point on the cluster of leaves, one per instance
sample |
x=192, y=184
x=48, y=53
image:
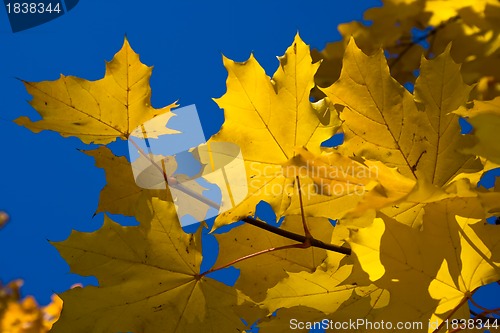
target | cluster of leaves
x=408, y=29
x=24, y=315
x=412, y=214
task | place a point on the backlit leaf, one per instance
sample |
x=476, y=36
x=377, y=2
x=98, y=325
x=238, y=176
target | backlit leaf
x=149, y=279
x=97, y=111
x=430, y=273
x=280, y=131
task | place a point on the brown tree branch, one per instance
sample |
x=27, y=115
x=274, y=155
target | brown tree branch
x=296, y=237
x=422, y=38
x=305, y=242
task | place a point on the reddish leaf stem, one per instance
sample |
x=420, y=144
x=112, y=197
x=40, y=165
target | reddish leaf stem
x=252, y=255
x=304, y=244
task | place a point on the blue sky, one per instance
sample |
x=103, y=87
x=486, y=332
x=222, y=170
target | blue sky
x=47, y=186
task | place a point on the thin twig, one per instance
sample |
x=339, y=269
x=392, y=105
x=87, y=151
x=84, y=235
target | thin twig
x=304, y=244
x=296, y=237
x=422, y=38
x=272, y=249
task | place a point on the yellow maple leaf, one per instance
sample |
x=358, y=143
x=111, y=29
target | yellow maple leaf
x=280, y=132
x=268, y=119
x=391, y=29
x=430, y=273
x=418, y=134
x=384, y=123
x=148, y=278
x=471, y=25
x=97, y=111
x=328, y=296
x=334, y=186
x=324, y=291
x=443, y=10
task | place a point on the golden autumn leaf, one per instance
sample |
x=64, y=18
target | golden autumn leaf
x=391, y=29
x=430, y=273
x=97, y=111
x=399, y=27
x=472, y=28
x=9, y=293
x=269, y=118
x=280, y=132
x=383, y=121
x=325, y=291
x=149, y=278
x=403, y=187
x=444, y=10
x=327, y=297
x=418, y=134
x=52, y=311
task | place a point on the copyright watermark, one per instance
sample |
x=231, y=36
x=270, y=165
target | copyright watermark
x=356, y=324
x=382, y=325
x=328, y=180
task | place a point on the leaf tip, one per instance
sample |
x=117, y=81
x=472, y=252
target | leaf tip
x=297, y=37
